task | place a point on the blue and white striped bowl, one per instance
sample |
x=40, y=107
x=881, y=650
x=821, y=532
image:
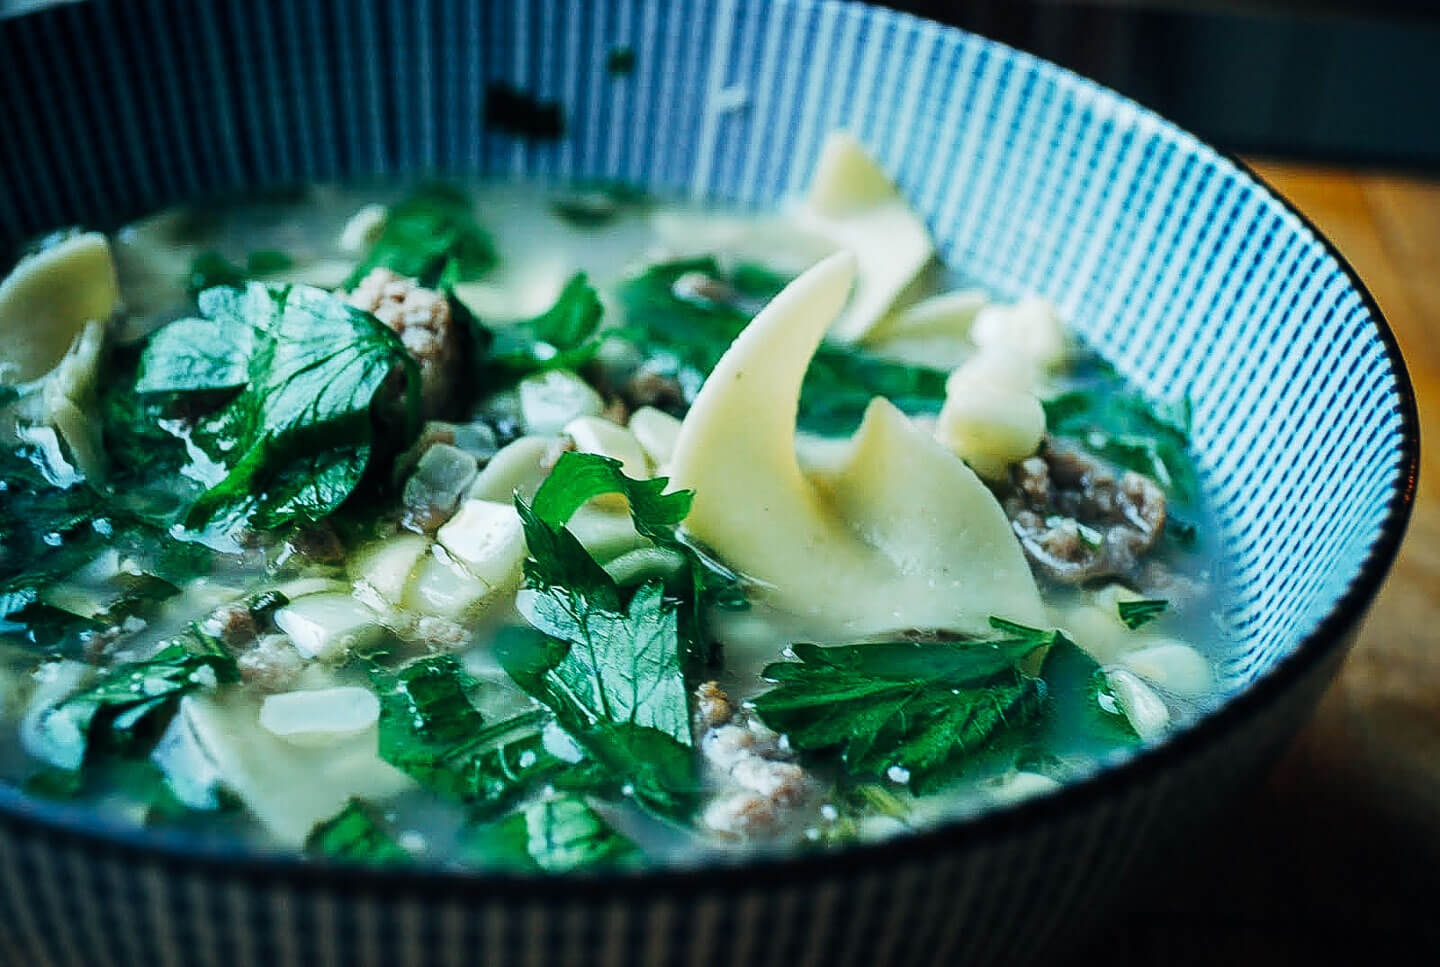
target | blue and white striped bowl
x=1174, y=261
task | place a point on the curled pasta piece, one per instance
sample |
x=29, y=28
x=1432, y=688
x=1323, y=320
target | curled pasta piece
x=895, y=533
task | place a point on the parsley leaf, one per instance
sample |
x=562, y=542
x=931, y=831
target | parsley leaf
x=125, y=711
x=624, y=666
x=430, y=730
x=296, y=440
x=562, y=834
x=1117, y=423
x=210, y=269
x=598, y=203
x=579, y=477
x=916, y=707
x=654, y=766
x=431, y=236
x=558, y=338
x=1137, y=613
x=356, y=835
x=54, y=580
x=1083, y=709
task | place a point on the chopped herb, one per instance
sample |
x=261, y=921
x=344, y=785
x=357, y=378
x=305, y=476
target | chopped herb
x=623, y=666
x=431, y=236
x=579, y=477
x=650, y=765
x=558, y=338
x=431, y=731
x=51, y=533
x=1082, y=707
x=209, y=269
x=522, y=115
x=296, y=440
x=125, y=711
x=1118, y=424
x=562, y=834
x=599, y=204
x=924, y=712
x=620, y=61
x=1137, y=613
x=267, y=261
x=355, y=834
x=919, y=708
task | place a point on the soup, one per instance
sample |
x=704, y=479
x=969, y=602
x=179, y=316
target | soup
x=504, y=526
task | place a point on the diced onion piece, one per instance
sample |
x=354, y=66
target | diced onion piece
x=606, y=534
x=1173, y=666
x=441, y=478
x=643, y=563
x=1022, y=785
x=443, y=587
x=48, y=298
x=363, y=228
x=517, y=468
x=595, y=434
x=487, y=537
x=1146, y=711
x=320, y=716
x=1031, y=325
x=299, y=587
x=551, y=399
x=387, y=565
x=1111, y=595
x=657, y=432
x=990, y=428
x=1097, y=630
x=326, y=626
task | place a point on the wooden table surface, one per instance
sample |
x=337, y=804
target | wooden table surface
x=1337, y=856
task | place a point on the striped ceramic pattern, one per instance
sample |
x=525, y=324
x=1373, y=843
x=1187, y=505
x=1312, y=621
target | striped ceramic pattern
x=1169, y=259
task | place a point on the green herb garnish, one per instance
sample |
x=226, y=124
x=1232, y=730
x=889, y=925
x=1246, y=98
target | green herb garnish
x=910, y=710
x=295, y=440
x=558, y=338
x=355, y=834
x=1118, y=424
x=209, y=269
x=126, y=710
x=561, y=834
x=430, y=730
x=1137, y=613
x=431, y=236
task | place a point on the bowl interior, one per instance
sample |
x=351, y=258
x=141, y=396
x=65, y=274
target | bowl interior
x=1170, y=259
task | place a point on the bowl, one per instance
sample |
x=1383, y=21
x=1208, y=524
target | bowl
x=1173, y=260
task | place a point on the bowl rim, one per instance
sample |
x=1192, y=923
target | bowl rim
x=180, y=852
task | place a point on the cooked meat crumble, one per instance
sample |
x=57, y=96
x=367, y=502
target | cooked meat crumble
x=1079, y=518
x=423, y=321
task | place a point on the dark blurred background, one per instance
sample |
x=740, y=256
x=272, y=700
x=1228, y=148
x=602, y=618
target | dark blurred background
x=1340, y=80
